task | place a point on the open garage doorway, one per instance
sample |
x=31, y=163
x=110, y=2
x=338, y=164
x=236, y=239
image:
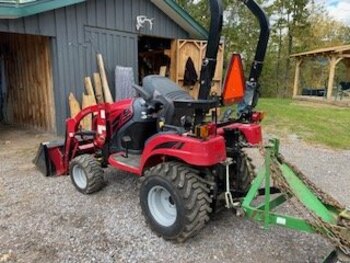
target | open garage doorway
x=26, y=85
x=154, y=56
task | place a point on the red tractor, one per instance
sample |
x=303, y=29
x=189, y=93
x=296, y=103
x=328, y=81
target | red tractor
x=189, y=166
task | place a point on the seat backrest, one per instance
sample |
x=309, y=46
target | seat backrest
x=165, y=87
x=166, y=91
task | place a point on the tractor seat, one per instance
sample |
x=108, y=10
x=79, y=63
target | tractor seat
x=165, y=87
x=166, y=92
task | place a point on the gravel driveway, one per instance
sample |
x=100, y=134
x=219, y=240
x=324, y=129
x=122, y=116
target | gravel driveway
x=47, y=220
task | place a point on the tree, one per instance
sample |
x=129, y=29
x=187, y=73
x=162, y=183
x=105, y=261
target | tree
x=296, y=26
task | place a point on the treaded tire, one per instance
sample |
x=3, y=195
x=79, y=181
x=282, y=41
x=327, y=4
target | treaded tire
x=91, y=171
x=244, y=177
x=189, y=193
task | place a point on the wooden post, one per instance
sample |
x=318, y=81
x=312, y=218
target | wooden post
x=98, y=88
x=73, y=105
x=297, y=76
x=347, y=65
x=106, y=90
x=89, y=89
x=333, y=61
x=173, y=61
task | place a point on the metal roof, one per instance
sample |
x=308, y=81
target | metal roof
x=12, y=9
x=182, y=18
x=343, y=50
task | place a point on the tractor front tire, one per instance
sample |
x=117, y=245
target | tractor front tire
x=175, y=201
x=86, y=174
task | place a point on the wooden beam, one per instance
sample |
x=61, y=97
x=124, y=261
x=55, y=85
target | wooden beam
x=333, y=61
x=89, y=88
x=98, y=88
x=105, y=86
x=73, y=105
x=173, y=60
x=298, y=63
x=338, y=60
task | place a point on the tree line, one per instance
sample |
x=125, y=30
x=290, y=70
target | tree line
x=296, y=26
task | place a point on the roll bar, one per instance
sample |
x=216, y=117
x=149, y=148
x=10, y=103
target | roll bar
x=261, y=48
x=209, y=62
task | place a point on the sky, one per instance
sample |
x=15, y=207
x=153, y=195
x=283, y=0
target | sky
x=338, y=9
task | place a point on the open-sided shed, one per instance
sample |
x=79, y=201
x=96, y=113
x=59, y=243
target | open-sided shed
x=334, y=55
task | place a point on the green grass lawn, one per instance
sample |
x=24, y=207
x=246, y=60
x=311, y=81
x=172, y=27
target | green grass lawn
x=315, y=123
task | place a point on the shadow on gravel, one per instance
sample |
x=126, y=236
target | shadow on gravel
x=47, y=220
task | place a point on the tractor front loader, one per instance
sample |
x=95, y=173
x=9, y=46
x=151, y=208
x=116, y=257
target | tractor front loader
x=189, y=166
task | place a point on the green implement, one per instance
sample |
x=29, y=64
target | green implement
x=319, y=212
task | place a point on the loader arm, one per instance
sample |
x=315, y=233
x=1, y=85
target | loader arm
x=53, y=158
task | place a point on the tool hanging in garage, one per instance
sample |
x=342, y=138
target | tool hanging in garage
x=190, y=76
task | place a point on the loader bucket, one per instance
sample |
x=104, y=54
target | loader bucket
x=49, y=158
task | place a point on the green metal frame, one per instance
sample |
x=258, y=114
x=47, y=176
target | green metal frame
x=263, y=211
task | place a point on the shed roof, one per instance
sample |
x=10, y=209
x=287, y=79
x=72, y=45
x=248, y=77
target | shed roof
x=341, y=51
x=12, y=9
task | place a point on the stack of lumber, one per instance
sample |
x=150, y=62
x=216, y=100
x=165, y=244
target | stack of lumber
x=93, y=94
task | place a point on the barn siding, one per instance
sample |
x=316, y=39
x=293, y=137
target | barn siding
x=113, y=21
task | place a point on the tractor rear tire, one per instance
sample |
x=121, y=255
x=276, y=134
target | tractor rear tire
x=175, y=201
x=86, y=174
x=244, y=175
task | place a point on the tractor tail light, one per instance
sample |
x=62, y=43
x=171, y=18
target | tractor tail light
x=234, y=84
x=204, y=131
x=258, y=116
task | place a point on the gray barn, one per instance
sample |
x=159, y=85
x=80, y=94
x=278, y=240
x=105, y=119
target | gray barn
x=47, y=47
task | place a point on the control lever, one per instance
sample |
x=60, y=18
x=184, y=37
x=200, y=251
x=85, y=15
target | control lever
x=143, y=93
x=126, y=140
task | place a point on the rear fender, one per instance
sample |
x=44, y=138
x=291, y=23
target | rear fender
x=251, y=132
x=190, y=150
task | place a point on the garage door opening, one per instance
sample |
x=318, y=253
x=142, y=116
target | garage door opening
x=26, y=85
x=154, y=56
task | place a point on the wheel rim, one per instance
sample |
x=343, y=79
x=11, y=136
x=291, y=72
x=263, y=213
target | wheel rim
x=162, y=206
x=79, y=177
